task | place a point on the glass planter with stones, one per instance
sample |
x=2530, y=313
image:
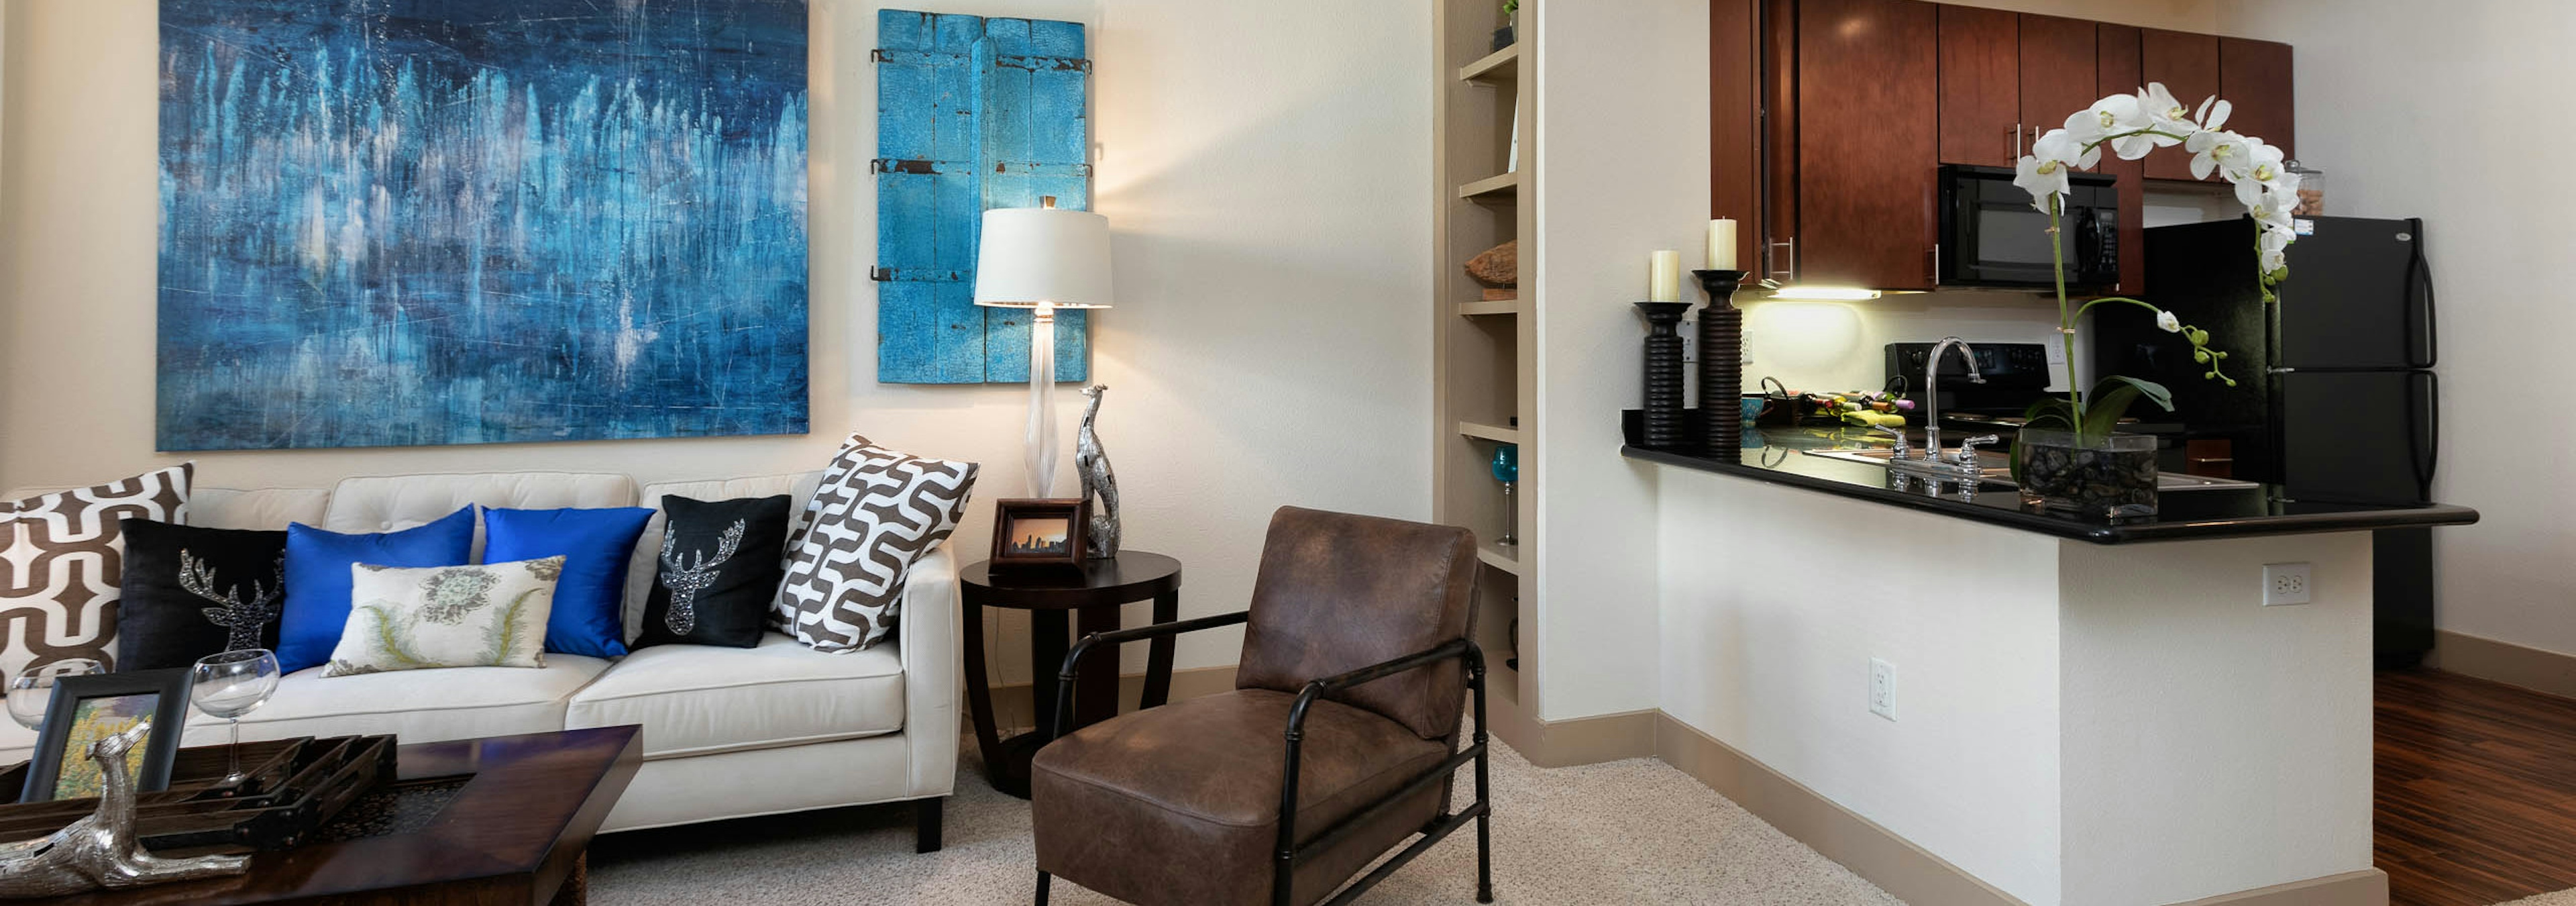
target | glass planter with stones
x=2104, y=477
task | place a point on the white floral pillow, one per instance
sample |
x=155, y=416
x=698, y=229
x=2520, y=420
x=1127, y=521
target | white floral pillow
x=488, y=615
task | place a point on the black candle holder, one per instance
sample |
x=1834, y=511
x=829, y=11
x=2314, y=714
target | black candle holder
x=1663, y=374
x=1721, y=365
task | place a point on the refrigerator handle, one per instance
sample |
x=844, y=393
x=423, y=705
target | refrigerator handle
x=2419, y=297
x=2425, y=448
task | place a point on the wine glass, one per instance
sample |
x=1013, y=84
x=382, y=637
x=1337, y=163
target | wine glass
x=32, y=691
x=229, y=685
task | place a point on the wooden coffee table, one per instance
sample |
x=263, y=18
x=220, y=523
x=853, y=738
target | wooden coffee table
x=515, y=832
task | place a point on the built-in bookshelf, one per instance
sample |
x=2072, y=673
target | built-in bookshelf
x=1483, y=349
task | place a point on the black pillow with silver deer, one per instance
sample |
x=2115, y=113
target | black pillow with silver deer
x=718, y=571
x=191, y=592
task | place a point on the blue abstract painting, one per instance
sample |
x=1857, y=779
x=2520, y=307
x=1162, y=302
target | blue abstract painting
x=405, y=222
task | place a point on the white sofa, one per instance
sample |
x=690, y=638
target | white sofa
x=728, y=732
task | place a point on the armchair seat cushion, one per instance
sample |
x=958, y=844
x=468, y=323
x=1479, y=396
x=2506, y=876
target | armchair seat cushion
x=1180, y=804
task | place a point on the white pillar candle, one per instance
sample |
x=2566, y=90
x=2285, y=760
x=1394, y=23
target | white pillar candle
x=1664, y=277
x=1721, y=244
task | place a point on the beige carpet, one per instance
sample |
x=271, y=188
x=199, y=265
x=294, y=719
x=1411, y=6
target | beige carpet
x=2560, y=898
x=1634, y=831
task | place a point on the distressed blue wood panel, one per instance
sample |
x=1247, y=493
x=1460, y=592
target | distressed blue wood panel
x=973, y=114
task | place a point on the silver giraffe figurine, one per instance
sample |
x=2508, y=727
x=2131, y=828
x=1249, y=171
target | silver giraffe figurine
x=100, y=850
x=1099, y=484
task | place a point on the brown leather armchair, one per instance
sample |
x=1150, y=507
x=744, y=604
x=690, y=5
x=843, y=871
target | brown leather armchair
x=1337, y=743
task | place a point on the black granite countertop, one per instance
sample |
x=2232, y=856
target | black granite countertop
x=1779, y=456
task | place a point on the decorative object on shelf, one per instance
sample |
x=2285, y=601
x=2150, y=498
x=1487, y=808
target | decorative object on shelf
x=1498, y=269
x=599, y=233
x=1043, y=258
x=1040, y=532
x=1663, y=372
x=228, y=685
x=1507, y=469
x=2092, y=471
x=1510, y=32
x=1099, y=482
x=101, y=851
x=87, y=708
x=973, y=114
x=1721, y=364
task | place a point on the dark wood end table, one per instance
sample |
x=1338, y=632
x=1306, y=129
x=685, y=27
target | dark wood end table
x=515, y=833
x=1095, y=591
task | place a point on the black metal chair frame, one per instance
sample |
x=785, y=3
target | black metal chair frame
x=1289, y=853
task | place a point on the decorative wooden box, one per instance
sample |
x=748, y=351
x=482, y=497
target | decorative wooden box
x=293, y=787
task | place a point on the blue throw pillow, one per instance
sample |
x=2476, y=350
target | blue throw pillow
x=317, y=577
x=588, y=618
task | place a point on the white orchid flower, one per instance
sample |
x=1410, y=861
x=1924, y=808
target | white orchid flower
x=2107, y=117
x=2222, y=151
x=2213, y=112
x=2043, y=178
x=2272, y=248
x=2273, y=211
x=2164, y=114
x=2166, y=320
x=2065, y=147
x=2264, y=172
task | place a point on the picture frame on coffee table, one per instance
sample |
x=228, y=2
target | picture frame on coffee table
x=1040, y=533
x=86, y=708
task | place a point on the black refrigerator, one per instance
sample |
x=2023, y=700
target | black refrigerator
x=2336, y=397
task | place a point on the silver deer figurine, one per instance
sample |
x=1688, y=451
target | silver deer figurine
x=244, y=621
x=1099, y=483
x=687, y=580
x=100, y=850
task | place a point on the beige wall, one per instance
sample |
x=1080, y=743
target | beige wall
x=2426, y=110
x=1262, y=165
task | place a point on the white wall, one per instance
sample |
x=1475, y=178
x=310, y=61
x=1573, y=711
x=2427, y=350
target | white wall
x=1261, y=164
x=1623, y=170
x=2423, y=110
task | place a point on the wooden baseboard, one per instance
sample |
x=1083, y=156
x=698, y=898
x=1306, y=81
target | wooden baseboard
x=1909, y=872
x=2367, y=887
x=2504, y=662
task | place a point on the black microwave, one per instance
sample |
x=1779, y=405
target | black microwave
x=1992, y=236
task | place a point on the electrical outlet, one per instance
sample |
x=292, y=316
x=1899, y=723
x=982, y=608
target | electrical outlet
x=1882, y=688
x=2286, y=583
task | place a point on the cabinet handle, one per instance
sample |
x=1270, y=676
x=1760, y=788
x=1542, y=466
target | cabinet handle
x=2016, y=154
x=1790, y=272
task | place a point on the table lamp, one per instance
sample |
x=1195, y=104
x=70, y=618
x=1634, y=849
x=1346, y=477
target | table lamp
x=1042, y=258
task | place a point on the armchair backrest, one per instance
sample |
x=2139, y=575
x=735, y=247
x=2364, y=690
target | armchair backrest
x=1338, y=592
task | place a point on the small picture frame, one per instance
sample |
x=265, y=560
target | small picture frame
x=85, y=708
x=1040, y=532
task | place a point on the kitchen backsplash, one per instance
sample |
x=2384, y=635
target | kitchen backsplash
x=1832, y=346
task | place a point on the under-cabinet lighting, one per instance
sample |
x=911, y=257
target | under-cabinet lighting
x=1824, y=293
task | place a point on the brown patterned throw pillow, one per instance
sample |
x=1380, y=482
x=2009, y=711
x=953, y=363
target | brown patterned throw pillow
x=876, y=512
x=62, y=556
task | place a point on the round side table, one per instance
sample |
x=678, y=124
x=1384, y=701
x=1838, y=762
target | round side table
x=1095, y=591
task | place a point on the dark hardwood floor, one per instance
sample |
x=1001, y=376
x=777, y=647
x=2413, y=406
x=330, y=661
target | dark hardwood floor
x=2476, y=790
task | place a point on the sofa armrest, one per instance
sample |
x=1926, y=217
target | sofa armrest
x=933, y=667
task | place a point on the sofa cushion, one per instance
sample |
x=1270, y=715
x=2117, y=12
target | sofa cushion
x=61, y=557
x=595, y=545
x=875, y=512
x=189, y=592
x=799, y=487
x=393, y=502
x=700, y=699
x=482, y=615
x=317, y=577
x=719, y=571
x=266, y=509
x=414, y=705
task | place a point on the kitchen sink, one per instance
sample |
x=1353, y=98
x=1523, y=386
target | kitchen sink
x=1995, y=469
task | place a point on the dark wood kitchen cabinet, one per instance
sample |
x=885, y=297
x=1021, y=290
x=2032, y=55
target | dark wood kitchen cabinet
x=2116, y=69
x=1980, y=85
x=2254, y=77
x=1866, y=77
x=2057, y=70
x=2187, y=64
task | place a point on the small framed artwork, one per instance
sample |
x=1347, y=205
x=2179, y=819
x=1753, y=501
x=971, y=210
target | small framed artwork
x=86, y=709
x=1039, y=531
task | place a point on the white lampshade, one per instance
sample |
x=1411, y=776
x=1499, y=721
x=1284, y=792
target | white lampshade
x=1034, y=256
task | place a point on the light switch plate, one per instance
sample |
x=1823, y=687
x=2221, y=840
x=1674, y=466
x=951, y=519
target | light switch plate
x=2287, y=583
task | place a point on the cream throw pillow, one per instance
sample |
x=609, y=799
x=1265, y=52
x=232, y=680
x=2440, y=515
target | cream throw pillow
x=488, y=615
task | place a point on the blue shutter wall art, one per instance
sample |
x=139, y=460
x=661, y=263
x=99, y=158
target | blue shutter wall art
x=972, y=114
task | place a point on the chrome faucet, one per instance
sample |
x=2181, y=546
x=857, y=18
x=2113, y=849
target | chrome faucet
x=1932, y=393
